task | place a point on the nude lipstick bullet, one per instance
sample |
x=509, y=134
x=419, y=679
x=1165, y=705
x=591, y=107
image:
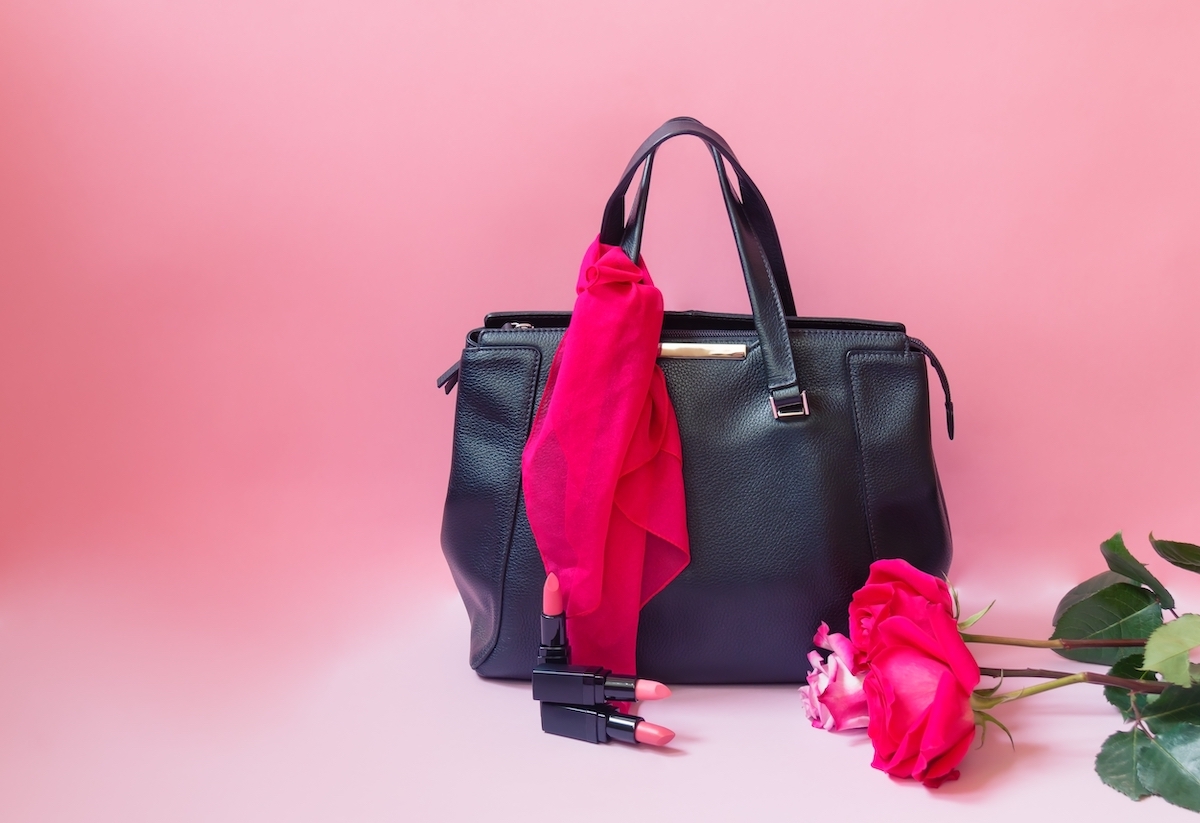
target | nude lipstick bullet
x=554, y=648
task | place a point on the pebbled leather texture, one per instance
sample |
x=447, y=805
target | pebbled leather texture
x=496, y=388
x=784, y=517
x=900, y=483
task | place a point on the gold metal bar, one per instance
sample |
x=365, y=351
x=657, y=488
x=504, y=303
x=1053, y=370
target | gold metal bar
x=703, y=351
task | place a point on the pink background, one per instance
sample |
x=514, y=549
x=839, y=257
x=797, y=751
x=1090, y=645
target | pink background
x=239, y=240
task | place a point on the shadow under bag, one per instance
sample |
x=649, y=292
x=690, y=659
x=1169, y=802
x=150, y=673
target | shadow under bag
x=806, y=456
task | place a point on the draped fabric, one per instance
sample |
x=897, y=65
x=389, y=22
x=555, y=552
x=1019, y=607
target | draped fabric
x=602, y=470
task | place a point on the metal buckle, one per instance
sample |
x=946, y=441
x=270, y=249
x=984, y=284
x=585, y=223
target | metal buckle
x=798, y=408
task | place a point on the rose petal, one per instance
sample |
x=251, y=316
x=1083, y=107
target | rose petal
x=821, y=638
x=844, y=698
x=900, y=572
x=934, y=782
x=893, y=588
x=949, y=730
x=918, y=687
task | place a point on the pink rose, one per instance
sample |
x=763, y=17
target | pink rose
x=834, y=699
x=893, y=588
x=918, y=684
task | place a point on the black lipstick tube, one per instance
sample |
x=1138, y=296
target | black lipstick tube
x=581, y=685
x=554, y=649
x=590, y=723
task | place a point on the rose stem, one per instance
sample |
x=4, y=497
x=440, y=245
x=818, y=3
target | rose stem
x=986, y=672
x=1153, y=687
x=1149, y=686
x=1064, y=643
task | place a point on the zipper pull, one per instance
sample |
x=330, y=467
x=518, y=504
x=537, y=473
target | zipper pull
x=925, y=350
x=449, y=379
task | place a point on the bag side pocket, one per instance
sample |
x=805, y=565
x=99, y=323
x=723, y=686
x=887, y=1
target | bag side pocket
x=493, y=414
x=905, y=512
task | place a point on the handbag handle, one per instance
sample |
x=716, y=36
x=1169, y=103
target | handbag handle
x=754, y=204
x=787, y=399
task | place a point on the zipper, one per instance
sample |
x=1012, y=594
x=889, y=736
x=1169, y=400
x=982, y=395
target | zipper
x=727, y=322
x=689, y=334
x=449, y=379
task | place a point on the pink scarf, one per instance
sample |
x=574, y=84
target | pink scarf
x=602, y=470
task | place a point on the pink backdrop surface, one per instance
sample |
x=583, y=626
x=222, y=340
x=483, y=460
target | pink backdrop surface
x=239, y=240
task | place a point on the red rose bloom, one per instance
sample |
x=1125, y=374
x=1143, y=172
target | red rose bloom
x=919, y=673
x=893, y=588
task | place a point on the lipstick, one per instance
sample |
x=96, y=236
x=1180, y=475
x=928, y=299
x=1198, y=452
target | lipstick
x=586, y=685
x=596, y=724
x=554, y=648
x=556, y=681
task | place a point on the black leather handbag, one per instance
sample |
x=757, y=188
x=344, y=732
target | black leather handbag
x=807, y=455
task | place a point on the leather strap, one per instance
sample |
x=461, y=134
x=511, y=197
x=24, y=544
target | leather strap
x=766, y=301
x=766, y=306
x=631, y=240
x=753, y=203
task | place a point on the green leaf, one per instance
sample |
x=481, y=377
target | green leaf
x=1183, y=555
x=1120, y=611
x=963, y=625
x=1122, y=562
x=1117, y=762
x=1123, y=699
x=1168, y=764
x=1086, y=589
x=1173, y=706
x=1167, y=648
